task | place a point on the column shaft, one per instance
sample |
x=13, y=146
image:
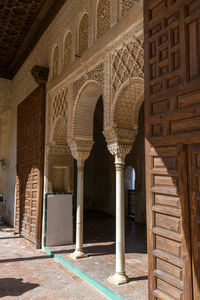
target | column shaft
x=79, y=210
x=120, y=226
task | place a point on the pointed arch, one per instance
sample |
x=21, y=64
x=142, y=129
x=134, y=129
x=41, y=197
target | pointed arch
x=84, y=110
x=67, y=48
x=127, y=104
x=83, y=33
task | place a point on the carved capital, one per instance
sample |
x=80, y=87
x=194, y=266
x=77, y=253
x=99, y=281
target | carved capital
x=80, y=149
x=119, y=142
x=40, y=74
x=119, y=151
x=121, y=135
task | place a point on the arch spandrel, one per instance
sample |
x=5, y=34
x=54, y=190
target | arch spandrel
x=59, y=136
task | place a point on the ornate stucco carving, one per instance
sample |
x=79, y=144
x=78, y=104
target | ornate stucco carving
x=78, y=85
x=125, y=109
x=83, y=33
x=119, y=142
x=127, y=62
x=67, y=49
x=60, y=132
x=96, y=74
x=80, y=149
x=59, y=105
x=126, y=5
x=103, y=17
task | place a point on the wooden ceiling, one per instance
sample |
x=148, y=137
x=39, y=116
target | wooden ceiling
x=22, y=23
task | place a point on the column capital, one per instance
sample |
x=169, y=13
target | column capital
x=119, y=142
x=40, y=74
x=80, y=149
x=119, y=151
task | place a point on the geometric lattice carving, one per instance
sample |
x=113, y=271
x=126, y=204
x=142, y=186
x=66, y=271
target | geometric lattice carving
x=83, y=33
x=68, y=48
x=103, y=17
x=128, y=4
x=55, y=62
x=60, y=105
x=127, y=62
x=60, y=132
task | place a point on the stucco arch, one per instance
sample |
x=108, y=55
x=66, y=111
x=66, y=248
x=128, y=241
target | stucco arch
x=84, y=110
x=82, y=38
x=55, y=61
x=127, y=103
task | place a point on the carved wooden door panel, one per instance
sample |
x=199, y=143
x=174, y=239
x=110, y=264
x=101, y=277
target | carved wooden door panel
x=172, y=116
x=30, y=156
x=194, y=192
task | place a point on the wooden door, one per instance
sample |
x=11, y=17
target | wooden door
x=30, y=160
x=172, y=137
x=194, y=192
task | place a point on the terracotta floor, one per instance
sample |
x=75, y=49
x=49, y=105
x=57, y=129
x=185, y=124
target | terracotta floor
x=99, y=236
x=27, y=273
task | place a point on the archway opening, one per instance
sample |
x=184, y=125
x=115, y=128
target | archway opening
x=129, y=187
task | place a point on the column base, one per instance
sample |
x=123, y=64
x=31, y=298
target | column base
x=118, y=279
x=78, y=254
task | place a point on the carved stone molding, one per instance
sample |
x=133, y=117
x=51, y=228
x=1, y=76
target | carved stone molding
x=58, y=149
x=40, y=74
x=80, y=149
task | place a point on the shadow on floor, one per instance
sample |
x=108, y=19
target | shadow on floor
x=101, y=230
x=138, y=278
x=10, y=260
x=15, y=287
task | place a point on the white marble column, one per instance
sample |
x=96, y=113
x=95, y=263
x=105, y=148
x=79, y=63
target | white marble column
x=79, y=253
x=120, y=276
x=119, y=147
x=80, y=150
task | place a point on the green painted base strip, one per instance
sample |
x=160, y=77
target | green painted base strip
x=100, y=287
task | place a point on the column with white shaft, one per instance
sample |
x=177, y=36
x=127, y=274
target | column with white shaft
x=80, y=150
x=119, y=150
x=79, y=253
x=120, y=275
